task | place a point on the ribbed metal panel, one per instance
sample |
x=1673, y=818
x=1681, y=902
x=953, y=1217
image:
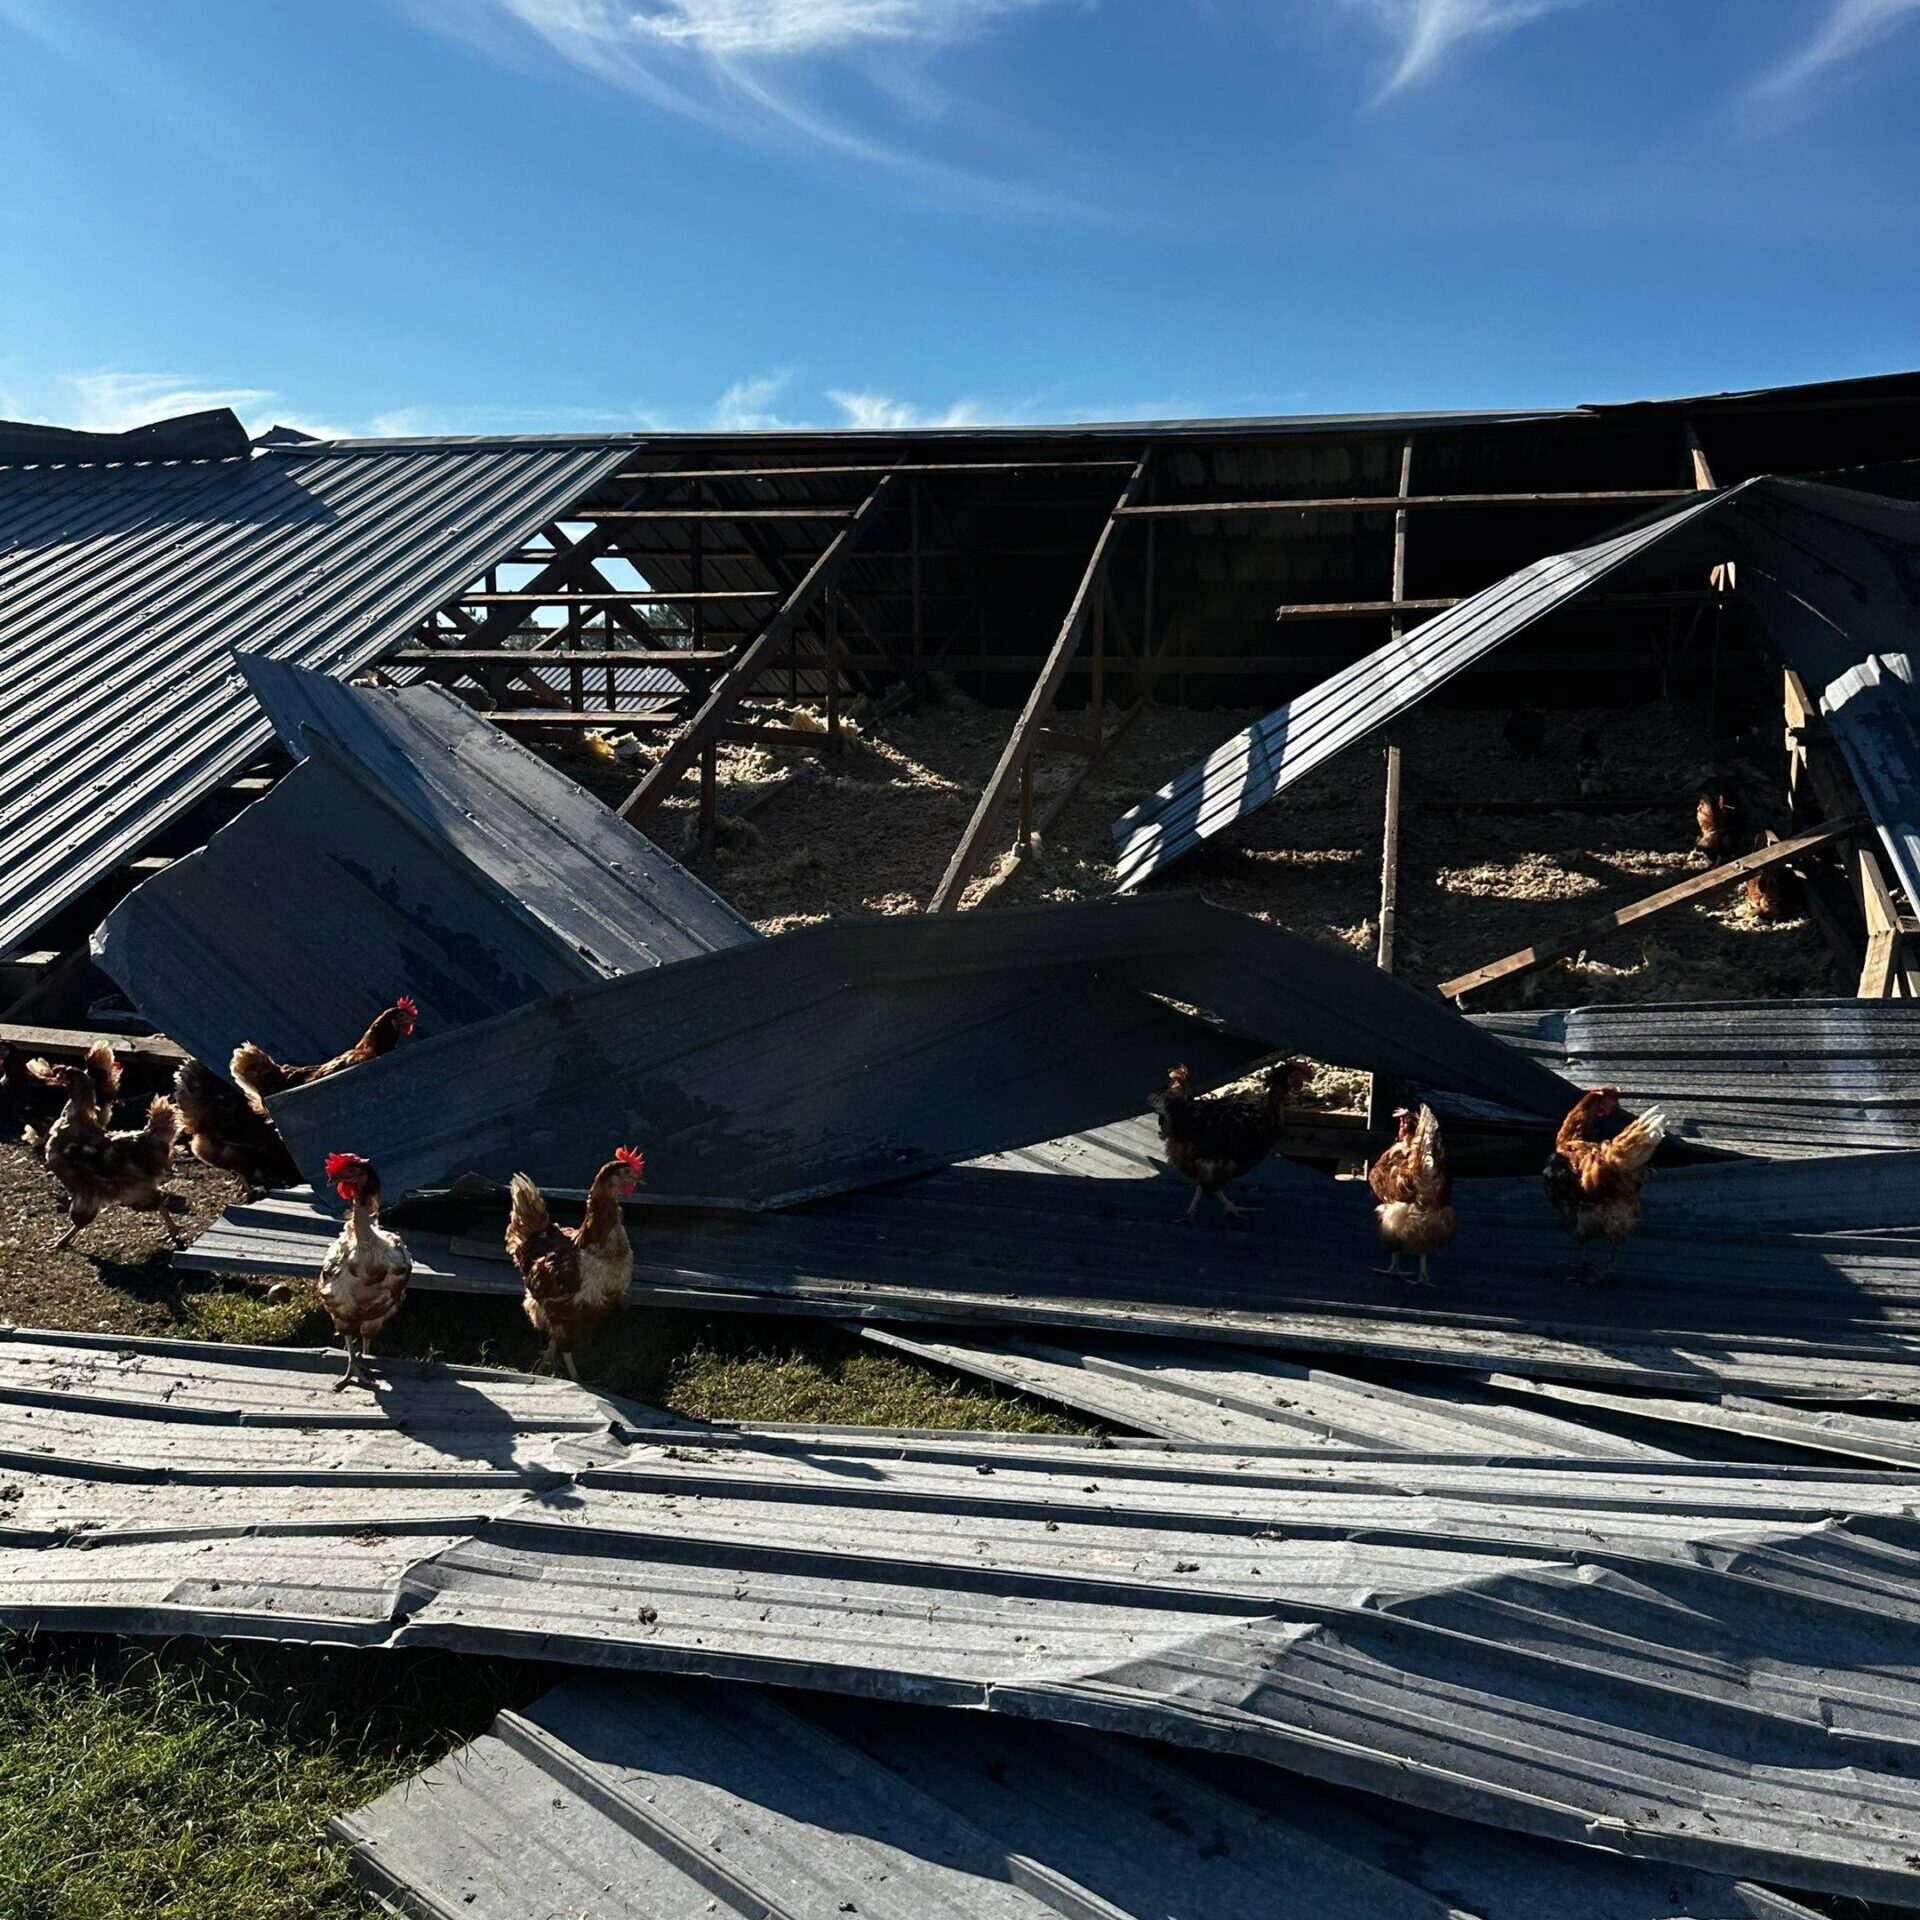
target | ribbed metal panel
x=864, y=1050
x=125, y=590
x=1784, y=1078
x=1690, y=1663
x=429, y=855
x=1874, y=712
x=1802, y=1316
x=1189, y=1393
x=612, y=1798
x=1255, y=766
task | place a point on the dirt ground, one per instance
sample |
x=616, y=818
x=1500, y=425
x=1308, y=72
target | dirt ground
x=870, y=831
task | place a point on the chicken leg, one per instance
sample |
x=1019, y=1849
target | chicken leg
x=352, y=1373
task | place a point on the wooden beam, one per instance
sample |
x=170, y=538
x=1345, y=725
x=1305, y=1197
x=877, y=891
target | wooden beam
x=1353, y=609
x=1883, y=976
x=720, y=704
x=1053, y=671
x=71, y=1043
x=630, y=477
x=720, y=513
x=1673, y=896
x=579, y=656
x=1391, y=502
x=651, y=596
x=563, y=717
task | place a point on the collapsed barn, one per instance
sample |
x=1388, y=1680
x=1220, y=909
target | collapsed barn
x=1611, y=1589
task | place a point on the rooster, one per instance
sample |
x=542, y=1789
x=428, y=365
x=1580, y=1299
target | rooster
x=574, y=1276
x=259, y=1076
x=227, y=1131
x=1597, y=1183
x=1774, y=893
x=1219, y=1138
x=102, y=1169
x=364, y=1276
x=1722, y=822
x=1414, y=1191
x=35, y=1105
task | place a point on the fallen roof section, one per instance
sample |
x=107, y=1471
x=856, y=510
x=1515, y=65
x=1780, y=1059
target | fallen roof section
x=1689, y=1311
x=1873, y=712
x=857, y=1052
x=428, y=855
x=677, y=1799
x=125, y=590
x=1833, y=570
x=1241, y=1398
x=1688, y=1663
x=1781, y=1078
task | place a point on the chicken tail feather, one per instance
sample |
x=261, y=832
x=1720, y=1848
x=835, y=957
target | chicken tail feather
x=1635, y=1144
x=256, y=1071
x=104, y=1070
x=530, y=1217
x=163, y=1119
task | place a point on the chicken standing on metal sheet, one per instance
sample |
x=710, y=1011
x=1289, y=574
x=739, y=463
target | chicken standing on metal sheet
x=574, y=1277
x=100, y=1168
x=225, y=1130
x=1413, y=1192
x=259, y=1076
x=1596, y=1183
x=1216, y=1138
x=364, y=1276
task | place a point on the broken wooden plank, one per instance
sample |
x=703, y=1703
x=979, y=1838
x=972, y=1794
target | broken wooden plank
x=71, y=1043
x=1676, y=895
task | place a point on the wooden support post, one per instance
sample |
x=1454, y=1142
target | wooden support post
x=1096, y=694
x=1390, y=864
x=1384, y=1094
x=698, y=567
x=1053, y=671
x=1673, y=896
x=723, y=701
x=709, y=793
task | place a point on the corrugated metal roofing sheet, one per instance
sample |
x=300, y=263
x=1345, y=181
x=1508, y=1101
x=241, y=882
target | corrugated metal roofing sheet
x=1774, y=1077
x=675, y=1799
x=863, y=1050
x=1255, y=766
x=1697, y=1663
x=428, y=855
x=1236, y=1398
x=1732, y=1310
x=125, y=590
x=1874, y=712
x=1836, y=575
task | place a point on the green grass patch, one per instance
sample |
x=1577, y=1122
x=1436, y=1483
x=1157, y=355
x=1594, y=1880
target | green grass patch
x=193, y=1782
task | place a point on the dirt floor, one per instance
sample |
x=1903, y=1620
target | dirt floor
x=870, y=831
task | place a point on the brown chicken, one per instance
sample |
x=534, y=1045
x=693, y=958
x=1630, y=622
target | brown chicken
x=227, y=1131
x=103, y=1169
x=259, y=1076
x=364, y=1276
x=1217, y=1138
x=1722, y=821
x=33, y=1106
x=1774, y=893
x=1596, y=1183
x=1414, y=1193
x=573, y=1277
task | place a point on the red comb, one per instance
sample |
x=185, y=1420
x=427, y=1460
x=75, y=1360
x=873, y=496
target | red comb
x=631, y=1157
x=408, y=1004
x=341, y=1164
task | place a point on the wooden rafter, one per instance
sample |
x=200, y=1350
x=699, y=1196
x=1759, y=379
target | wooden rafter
x=723, y=702
x=1014, y=755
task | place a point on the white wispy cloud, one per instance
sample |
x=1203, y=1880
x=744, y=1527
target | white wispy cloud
x=111, y=402
x=748, y=405
x=763, y=70
x=871, y=412
x=1849, y=29
x=1425, y=33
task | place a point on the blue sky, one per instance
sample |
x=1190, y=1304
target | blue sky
x=460, y=215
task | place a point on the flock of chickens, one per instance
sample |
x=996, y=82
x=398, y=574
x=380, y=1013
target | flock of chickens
x=572, y=1277
x=1593, y=1182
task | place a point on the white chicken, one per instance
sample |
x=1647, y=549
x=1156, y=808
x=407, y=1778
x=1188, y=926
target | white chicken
x=364, y=1276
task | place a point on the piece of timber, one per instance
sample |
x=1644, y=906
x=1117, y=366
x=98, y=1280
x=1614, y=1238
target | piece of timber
x=71, y=1043
x=724, y=700
x=561, y=657
x=966, y=855
x=630, y=478
x=1395, y=503
x=1352, y=609
x=1674, y=896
